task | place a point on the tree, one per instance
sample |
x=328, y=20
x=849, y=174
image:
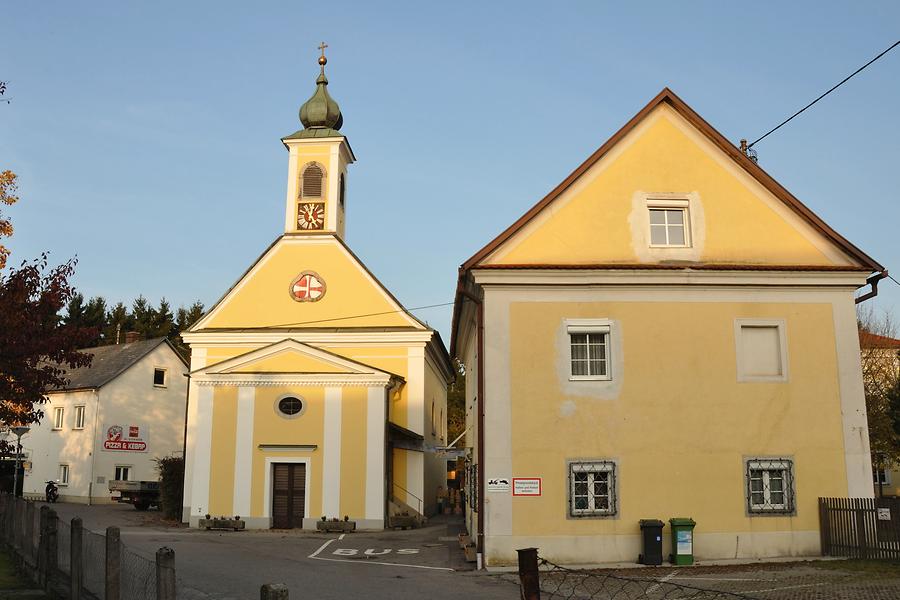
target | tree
x=37, y=346
x=456, y=403
x=881, y=381
x=8, y=185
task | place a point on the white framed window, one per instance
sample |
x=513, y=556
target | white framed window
x=770, y=485
x=59, y=417
x=669, y=223
x=63, y=474
x=592, y=488
x=159, y=377
x=589, y=350
x=761, y=350
x=79, y=417
x=122, y=473
x=881, y=476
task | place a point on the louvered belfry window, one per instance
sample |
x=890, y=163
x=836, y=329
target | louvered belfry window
x=311, y=181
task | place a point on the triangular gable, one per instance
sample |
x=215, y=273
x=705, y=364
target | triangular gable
x=290, y=356
x=854, y=256
x=353, y=296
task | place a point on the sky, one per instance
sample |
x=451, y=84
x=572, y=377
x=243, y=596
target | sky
x=146, y=136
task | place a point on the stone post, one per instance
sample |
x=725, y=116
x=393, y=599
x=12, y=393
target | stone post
x=113, y=563
x=52, y=548
x=529, y=578
x=165, y=574
x=76, y=568
x=273, y=591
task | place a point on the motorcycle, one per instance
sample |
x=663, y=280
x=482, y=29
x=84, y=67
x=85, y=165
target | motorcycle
x=52, y=492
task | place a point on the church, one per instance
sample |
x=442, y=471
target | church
x=313, y=392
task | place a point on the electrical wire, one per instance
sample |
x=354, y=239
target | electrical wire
x=843, y=81
x=361, y=316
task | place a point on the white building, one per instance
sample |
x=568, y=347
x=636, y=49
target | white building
x=110, y=422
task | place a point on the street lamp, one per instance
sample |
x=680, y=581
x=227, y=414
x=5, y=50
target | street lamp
x=18, y=431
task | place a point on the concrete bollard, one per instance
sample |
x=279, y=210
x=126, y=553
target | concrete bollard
x=165, y=574
x=113, y=563
x=273, y=591
x=76, y=568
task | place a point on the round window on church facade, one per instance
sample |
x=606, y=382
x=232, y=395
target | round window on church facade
x=290, y=407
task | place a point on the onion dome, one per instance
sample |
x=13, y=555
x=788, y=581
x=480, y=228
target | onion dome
x=320, y=115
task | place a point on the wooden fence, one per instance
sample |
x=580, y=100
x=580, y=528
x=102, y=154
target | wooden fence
x=860, y=527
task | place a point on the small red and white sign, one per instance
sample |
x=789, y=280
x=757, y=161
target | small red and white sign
x=308, y=287
x=117, y=441
x=526, y=486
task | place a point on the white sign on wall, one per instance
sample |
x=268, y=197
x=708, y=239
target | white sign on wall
x=526, y=486
x=884, y=514
x=124, y=438
x=498, y=484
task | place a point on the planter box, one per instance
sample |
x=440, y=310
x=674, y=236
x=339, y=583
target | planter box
x=403, y=521
x=464, y=540
x=340, y=526
x=471, y=554
x=226, y=524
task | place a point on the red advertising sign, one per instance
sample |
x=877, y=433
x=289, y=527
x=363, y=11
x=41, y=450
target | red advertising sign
x=116, y=440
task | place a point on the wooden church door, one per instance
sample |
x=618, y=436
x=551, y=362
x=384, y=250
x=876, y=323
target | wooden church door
x=289, y=495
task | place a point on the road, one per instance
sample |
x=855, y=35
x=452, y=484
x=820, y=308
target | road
x=396, y=565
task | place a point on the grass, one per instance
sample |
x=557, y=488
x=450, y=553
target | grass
x=856, y=565
x=8, y=578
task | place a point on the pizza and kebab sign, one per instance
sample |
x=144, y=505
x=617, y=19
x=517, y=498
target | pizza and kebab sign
x=125, y=438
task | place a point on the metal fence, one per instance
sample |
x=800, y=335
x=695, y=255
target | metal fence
x=860, y=527
x=69, y=561
x=540, y=578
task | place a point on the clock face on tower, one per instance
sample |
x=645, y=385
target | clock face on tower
x=311, y=215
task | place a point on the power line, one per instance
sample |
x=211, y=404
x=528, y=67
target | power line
x=843, y=81
x=891, y=277
x=361, y=316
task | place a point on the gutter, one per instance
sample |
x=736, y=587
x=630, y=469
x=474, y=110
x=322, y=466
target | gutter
x=872, y=281
x=460, y=293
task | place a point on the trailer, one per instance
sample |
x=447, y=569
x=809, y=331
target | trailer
x=143, y=494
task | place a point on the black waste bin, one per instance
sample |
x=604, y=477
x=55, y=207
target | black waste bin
x=651, y=538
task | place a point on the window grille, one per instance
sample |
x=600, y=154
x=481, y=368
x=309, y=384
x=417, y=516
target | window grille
x=590, y=354
x=311, y=183
x=667, y=227
x=770, y=485
x=592, y=488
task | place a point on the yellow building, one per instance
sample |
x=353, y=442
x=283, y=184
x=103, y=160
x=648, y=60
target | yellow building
x=669, y=333
x=313, y=392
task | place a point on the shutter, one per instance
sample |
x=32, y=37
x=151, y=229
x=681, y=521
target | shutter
x=311, y=186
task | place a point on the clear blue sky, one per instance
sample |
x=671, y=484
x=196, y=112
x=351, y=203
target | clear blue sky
x=146, y=135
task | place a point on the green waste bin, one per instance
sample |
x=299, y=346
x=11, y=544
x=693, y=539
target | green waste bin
x=682, y=541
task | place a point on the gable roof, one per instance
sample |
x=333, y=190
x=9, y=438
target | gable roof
x=109, y=362
x=667, y=96
x=873, y=341
x=414, y=322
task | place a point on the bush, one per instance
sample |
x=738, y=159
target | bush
x=171, y=485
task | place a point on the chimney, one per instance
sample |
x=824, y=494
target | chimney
x=132, y=336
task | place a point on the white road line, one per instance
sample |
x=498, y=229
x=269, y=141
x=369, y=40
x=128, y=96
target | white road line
x=778, y=589
x=692, y=578
x=656, y=586
x=315, y=556
x=322, y=547
x=340, y=537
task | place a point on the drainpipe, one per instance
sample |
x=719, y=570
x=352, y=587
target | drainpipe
x=479, y=316
x=873, y=282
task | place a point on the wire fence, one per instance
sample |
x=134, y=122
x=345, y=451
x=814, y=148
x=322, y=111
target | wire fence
x=64, y=547
x=563, y=583
x=93, y=552
x=138, y=576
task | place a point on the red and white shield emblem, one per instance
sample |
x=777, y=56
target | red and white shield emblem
x=308, y=287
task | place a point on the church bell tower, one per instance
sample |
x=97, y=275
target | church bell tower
x=317, y=165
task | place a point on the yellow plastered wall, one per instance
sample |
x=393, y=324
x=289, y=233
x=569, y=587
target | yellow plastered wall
x=221, y=469
x=681, y=424
x=290, y=362
x=353, y=451
x=306, y=430
x=349, y=291
x=392, y=359
x=662, y=157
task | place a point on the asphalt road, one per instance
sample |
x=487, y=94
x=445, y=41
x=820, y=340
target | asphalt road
x=396, y=565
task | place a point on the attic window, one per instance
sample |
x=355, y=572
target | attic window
x=290, y=407
x=669, y=223
x=311, y=181
x=159, y=377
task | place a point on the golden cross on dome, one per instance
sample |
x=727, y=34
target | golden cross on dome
x=322, y=59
